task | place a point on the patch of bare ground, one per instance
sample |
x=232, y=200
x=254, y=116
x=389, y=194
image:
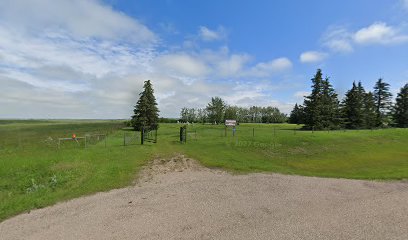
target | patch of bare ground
x=177, y=198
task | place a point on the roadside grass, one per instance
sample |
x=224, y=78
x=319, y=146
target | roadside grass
x=34, y=173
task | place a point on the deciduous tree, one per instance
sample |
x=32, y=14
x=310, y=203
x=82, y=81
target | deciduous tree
x=215, y=110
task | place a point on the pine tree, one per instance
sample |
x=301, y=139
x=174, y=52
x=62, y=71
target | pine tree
x=353, y=107
x=321, y=107
x=401, y=108
x=382, y=97
x=312, y=102
x=296, y=116
x=146, y=111
x=370, y=114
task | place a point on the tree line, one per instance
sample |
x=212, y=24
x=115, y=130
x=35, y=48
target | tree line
x=358, y=110
x=320, y=110
x=217, y=111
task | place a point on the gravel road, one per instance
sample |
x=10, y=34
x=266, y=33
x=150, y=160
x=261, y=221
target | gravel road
x=178, y=199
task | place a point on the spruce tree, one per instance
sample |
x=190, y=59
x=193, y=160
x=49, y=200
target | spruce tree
x=401, y=108
x=146, y=111
x=312, y=101
x=382, y=97
x=353, y=107
x=370, y=112
x=321, y=107
x=296, y=115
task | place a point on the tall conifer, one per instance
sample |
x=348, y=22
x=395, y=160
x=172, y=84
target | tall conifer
x=382, y=97
x=321, y=107
x=146, y=113
x=401, y=108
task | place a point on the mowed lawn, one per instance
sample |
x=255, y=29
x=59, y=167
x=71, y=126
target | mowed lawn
x=34, y=173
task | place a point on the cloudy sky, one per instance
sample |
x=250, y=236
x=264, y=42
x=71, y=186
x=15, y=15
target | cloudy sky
x=89, y=58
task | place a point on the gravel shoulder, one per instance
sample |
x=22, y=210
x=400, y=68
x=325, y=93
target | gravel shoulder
x=179, y=199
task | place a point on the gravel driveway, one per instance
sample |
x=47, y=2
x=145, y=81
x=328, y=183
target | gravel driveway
x=178, y=199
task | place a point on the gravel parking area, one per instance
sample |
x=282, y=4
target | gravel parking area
x=178, y=199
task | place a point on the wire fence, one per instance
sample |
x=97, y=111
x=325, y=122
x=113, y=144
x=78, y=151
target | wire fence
x=258, y=136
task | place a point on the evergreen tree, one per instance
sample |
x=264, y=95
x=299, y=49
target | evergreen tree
x=296, y=115
x=401, y=108
x=146, y=111
x=353, y=107
x=321, y=107
x=370, y=114
x=382, y=97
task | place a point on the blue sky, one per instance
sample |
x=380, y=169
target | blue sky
x=88, y=59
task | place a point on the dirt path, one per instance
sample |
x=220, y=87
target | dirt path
x=179, y=199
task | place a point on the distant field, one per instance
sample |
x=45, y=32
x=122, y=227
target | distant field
x=35, y=173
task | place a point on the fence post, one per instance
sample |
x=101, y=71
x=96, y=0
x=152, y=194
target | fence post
x=142, y=136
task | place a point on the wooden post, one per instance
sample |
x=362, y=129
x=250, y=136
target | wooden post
x=142, y=136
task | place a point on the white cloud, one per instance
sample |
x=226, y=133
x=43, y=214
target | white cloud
x=233, y=65
x=207, y=34
x=379, y=33
x=81, y=18
x=265, y=69
x=312, y=57
x=301, y=94
x=181, y=64
x=70, y=64
x=338, y=39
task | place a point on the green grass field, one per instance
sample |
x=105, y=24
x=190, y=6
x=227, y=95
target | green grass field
x=34, y=173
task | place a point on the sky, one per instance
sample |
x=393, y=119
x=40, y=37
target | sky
x=89, y=58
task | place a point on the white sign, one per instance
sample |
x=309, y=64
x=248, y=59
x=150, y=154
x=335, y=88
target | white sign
x=230, y=123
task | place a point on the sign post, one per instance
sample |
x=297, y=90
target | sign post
x=230, y=123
